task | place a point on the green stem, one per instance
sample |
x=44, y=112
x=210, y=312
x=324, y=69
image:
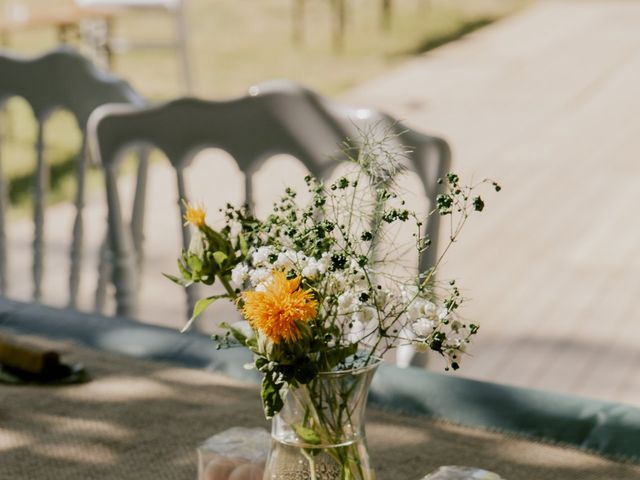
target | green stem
x=227, y=286
x=312, y=464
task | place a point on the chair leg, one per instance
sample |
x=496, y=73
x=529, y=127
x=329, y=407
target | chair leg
x=3, y=236
x=78, y=232
x=42, y=182
x=105, y=273
x=137, y=215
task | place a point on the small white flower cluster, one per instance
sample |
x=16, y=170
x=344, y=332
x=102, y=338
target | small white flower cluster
x=423, y=315
x=375, y=317
x=265, y=259
x=426, y=318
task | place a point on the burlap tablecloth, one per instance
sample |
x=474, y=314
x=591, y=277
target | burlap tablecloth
x=142, y=420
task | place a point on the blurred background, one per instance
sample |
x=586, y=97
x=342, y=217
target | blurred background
x=541, y=96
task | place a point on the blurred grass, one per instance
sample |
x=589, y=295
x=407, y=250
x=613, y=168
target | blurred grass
x=237, y=43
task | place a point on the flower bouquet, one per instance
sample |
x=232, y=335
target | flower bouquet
x=322, y=305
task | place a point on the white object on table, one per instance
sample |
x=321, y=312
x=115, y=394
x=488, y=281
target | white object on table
x=462, y=473
x=235, y=454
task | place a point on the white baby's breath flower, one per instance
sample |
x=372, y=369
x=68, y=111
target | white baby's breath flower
x=361, y=331
x=360, y=280
x=323, y=263
x=415, y=310
x=364, y=314
x=259, y=276
x=239, y=274
x=337, y=283
x=430, y=309
x=409, y=293
x=310, y=270
x=289, y=259
x=261, y=256
x=383, y=298
x=356, y=332
x=346, y=302
x=423, y=327
x=442, y=313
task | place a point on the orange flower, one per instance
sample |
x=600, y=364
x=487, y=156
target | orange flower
x=276, y=310
x=195, y=215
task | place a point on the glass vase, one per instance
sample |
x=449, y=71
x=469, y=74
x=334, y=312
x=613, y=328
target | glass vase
x=319, y=433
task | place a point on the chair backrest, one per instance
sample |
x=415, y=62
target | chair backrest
x=275, y=118
x=61, y=79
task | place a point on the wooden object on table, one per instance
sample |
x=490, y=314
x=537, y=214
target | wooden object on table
x=26, y=357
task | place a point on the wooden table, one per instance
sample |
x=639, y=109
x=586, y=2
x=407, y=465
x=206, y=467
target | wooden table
x=139, y=419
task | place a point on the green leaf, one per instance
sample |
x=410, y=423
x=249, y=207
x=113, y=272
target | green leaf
x=244, y=247
x=478, y=204
x=183, y=269
x=194, y=262
x=272, y=393
x=307, y=434
x=305, y=371
x=179, y=281
x=219, y=257
x=239, y=336
x=217, y=241
x=200, y=306
x=444, y=204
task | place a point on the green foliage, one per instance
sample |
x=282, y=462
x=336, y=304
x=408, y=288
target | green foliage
x=273, y=392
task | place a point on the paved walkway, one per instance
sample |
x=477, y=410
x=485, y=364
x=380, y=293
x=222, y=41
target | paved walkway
x=547, y=103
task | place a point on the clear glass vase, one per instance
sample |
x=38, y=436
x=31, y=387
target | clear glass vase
x=319, y=433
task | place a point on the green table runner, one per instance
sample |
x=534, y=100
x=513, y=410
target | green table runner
x=143, y=420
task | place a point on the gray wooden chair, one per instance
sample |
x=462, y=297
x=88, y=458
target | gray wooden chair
x=61, y=79
x=276, y=117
